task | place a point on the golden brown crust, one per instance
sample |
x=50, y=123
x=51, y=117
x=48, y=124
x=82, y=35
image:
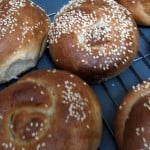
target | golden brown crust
x=95, y=39
x=140, y=10
x=49, y=110
x=23, y=33
x=132, y=119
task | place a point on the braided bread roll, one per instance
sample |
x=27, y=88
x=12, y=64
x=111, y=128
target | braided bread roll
x=95, y=39
x=49, y=110
x=140, y=10
x=132, y=124
x=24, y=30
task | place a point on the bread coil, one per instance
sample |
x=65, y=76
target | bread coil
x=132, y=123
x=24, y=30
x=95, y=39
x=140, y=10
x=49, y=110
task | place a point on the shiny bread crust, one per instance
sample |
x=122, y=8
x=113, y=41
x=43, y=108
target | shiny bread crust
x=140, y=10
x=95, y=39
x=24, y=30
x=49, y=110
x=132, y=119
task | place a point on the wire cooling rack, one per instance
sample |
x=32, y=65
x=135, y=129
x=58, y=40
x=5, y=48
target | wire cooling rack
x=111, y=92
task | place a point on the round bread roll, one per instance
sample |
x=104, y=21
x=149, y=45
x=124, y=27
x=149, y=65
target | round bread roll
x=23, y=34
x=49, y=110
x=140, y=10
x=95, y=39
x=132, y=124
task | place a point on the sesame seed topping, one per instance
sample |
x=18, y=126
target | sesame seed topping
x=76, y=103
x=10, y=21
x=147, y=105
x=91, y=29
x=139, y=132
x=142, y=88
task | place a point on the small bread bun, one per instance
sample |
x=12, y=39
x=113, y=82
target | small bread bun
x=49, y=110
x=140, y=10
x=23, y=34
x=95, y=39
x=132, y=124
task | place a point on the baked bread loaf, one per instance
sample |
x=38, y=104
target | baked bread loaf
x=23, y=34
x=140, y=10
x=95, y=39
x=132, y=124
x=49, y=110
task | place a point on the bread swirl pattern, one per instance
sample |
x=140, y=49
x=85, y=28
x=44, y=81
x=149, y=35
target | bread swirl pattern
x=94, y=39
x=23, y=33
x=132, y=119
x=49, y=110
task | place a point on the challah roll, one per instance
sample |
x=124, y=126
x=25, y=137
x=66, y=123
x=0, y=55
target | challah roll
x=95, y=39
x=49, y=110
x=132, y=124
x=23, y=33
x=140, y=10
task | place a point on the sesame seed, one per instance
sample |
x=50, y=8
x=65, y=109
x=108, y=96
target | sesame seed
x=58, y=85
x=46, y=105
x=49, y=136
x=10, y=21
x=120, y=107
x=38, y=147
x=87, y=126
x=31, y=99
x=1, y=117
x=43, y=144
x=42, y=92
x=142, y=129
x=72, y=76
x=142, y=88
x=54, y=71
x=31, y=124
x=37, y=124
x=133, y=2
